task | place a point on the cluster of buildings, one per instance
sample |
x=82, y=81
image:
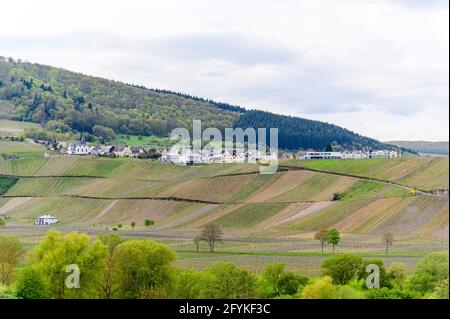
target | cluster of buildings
x=209, y=156
x=213, y=156
x=81, y=148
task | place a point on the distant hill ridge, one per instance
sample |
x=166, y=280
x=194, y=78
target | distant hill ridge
x=65, y=101
x=440, y=148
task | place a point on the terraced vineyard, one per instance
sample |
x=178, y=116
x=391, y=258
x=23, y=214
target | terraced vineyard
x=426, y=173
x=288, y=205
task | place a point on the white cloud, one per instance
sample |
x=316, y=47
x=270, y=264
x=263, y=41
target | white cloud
x=380, y=68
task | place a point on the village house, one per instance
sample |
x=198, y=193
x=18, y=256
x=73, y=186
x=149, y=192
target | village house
x=78, y=148
x=46, y=220
x=106, y=150
x=137, y=151
x=358, y=154
x=285, y=155
x=123, y=151
x=94, y=150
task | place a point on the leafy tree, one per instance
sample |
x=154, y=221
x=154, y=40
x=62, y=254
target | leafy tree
x=324, y=288
x=10, y=253
x=144, y=268
x=320, y=289
x=148, y=222
x=105, y=134
x=133, y=224
x=30, y=284
x=388, y=240
x=328, y=148
x=211, y=233
x=333, y=238
x=55, y=252
x=280, y=282
x=397, y=272
x=110, y=281
x=341, y=267
x=385, y=278
x=191, y=284
x=441, y=290
x=2, y=221
x=289, y=283
x=322, y=236
x=231, y=282
x=430, y=270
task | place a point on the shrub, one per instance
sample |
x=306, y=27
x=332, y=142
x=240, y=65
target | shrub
x=30, y=284
x=386, y=293
x=278, y=282
x=232, y=282
x=342, y=267
x=323, y=288
x=432, y=269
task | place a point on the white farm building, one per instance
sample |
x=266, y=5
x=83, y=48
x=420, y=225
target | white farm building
x=46, y=220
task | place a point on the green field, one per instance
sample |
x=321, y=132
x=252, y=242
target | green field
x=146, y=141
x=6, y=182
x=15, y=128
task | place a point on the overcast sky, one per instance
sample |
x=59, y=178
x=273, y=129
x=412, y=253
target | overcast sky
x=377, y=67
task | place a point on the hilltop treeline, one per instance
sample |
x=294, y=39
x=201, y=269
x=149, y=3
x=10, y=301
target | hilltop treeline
x=295, y=132
x=65, y=101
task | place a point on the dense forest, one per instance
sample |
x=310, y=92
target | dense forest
x=295, y=132
x=64, y=101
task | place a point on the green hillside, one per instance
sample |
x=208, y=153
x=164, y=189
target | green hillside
x=67, y=103
x=426, y=173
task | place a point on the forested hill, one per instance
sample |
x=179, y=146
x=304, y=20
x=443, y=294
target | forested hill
x=65, y=101
x=295, y=131
x=40, y=93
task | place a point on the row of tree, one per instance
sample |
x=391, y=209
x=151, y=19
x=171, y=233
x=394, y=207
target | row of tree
x=113, y=268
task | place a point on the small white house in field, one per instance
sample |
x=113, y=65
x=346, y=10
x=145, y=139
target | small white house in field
x=46, y=220
x=78, y=148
